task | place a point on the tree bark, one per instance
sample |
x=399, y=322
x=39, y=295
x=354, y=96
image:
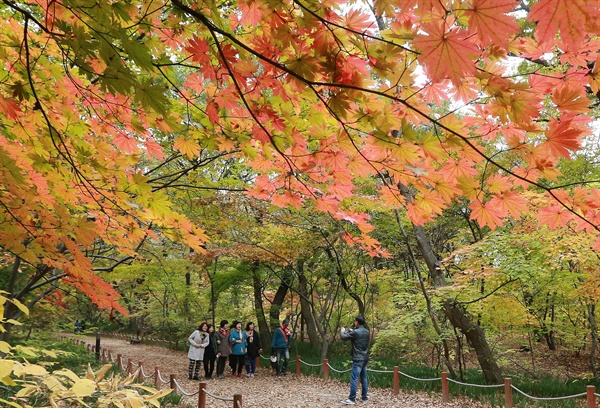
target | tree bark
x=475, y=335
x=306, y=307
x=261, y=320
x=594, y=335
x=457, y=315
x=359, y=302
x=278, y=299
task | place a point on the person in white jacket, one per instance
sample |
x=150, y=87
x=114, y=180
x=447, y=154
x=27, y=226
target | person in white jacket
x=198, y=341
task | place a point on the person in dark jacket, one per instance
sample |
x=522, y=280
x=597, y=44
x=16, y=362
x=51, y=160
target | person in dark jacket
x=280, y=346
x=359, y=337
x=253, y=351
x=210, y=354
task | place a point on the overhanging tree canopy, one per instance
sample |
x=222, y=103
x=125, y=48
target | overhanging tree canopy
x=312, y=95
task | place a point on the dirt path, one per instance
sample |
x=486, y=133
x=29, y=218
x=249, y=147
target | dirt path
x=265, y=390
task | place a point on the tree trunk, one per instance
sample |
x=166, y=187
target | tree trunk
x=475, y=335
x=430, y=311
x=359, y=302
x=594, y=335
x=306, y=307
x=431, y=259
x=261, y=320
x=457, y=315
x=278, y=299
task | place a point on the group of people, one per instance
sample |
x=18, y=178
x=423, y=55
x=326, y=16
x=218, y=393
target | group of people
x=243, y=347
x=209, y=347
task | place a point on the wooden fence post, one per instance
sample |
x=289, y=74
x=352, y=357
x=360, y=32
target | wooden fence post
x=157, y=377
x=119, y=366
x=508, y=399
x=257, y=361
x=176, y=345
x=396, y=380
x=298, y=365
x=172, y=381
x=202, y=395
x=591, y=396
x=141, y=373
x=445, y=392
x=326, y=370
x=129, y=366
x=237, y=401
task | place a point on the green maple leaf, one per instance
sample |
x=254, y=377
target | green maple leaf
x=151, y=96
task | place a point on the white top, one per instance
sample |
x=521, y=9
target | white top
x=198, y=341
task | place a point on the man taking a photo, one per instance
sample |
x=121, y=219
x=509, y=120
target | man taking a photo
x=360, y=337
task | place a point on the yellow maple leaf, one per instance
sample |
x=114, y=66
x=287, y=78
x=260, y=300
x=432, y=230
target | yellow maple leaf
x=187, y=147
x=84, y=388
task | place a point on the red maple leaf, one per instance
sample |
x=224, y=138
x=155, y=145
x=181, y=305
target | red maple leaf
x=562, y=138
x=212, y=111
x=200, y=50
x=446, y=52
x=489, y=20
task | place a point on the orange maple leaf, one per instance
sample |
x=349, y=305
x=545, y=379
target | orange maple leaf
x=554, y=216
x=562, y=138
x=489, y=19
x=497, y=183
x=486, y=214
x=571, y=98
x=251, y=12
x=510, y=202
x=446, y=52
x=287, y=198
x=570, y=17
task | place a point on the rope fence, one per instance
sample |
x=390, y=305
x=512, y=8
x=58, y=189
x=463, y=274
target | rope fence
x=108, y=357
x=590, y=394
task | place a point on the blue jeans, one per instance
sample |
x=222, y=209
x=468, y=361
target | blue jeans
x=251, y=369
x=283, y=358
x=359, y=369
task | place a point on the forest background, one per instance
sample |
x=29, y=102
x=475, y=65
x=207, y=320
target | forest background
x=432, y=165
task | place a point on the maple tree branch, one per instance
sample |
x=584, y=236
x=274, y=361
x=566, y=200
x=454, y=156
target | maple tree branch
x=48, y=281
x=122, y=260
x=163, y=163
x=181, y=173
x=488, y=294
x=344, y=28
x=28, y=16
x=186, y=186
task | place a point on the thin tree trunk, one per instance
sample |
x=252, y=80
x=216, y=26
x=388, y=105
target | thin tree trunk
x=359, y=302
x=261, y=320
x=305, y=307
x=594, y=335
